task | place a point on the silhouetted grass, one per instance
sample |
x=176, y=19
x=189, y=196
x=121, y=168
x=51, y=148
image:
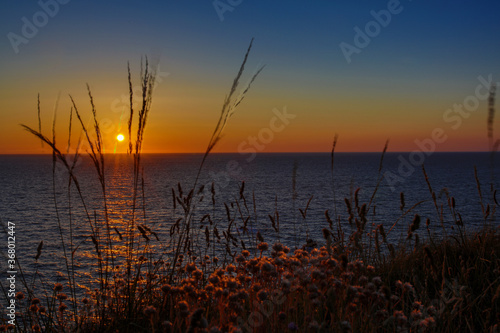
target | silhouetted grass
x=212, y=275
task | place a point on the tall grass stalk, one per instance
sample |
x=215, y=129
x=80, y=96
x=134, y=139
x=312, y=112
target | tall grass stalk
x=228, y=108
x=175, y=281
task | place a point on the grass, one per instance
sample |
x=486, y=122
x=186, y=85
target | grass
x=212, y=274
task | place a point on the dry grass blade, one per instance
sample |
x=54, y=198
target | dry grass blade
x=39, y=250
x=478, y=184
x=39, y=118
x=491, y=113
x=131, y=100
x=332, y=160
x=69, y=129
x=382, y=157
x=380, y=176
x=332, y=154
x=228, y=108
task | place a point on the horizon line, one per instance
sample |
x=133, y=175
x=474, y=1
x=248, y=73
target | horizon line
x=275, y=152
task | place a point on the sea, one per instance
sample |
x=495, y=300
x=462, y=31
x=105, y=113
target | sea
x=296, y=190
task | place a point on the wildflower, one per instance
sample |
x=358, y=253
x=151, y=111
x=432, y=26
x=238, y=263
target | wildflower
x=418, y=305
x=313, y=325
x=400, y=317
x=263, y=246
x=243, y=295
x=34, y=308
x=149, y=311
x=230, y=268
x=312, y=288
x=371, y=287
x=190, y=268
x=268, y=267
x=232, y=284
x=399, y=284
x=431, y=310
x=318, y=275
x=278, y=247
x=241, y=259
x=377, y=280
x=381, y=314
x=62, y=307
x=394, y=298
x=408, y=287
x=198, y=274
x=35, y=301
x=416, y=314
x=197, y=320
x=19, y=295
x=245, y=253
x=428, y=322
x=363, y=280
x=256, y=287
x=85, y=300
x=345, y=325
x=316, y=302
x=62, y=297
x=352, y=307
x=188, y=289
x=233, y=298
x=214, y=279
x=262, y=295
x=58, y=287
x=166, y=288
x=183, y=306
x=332, y=263
x=167, y=325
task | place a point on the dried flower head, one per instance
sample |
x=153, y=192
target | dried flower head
x=263, y=246
x=149, y=311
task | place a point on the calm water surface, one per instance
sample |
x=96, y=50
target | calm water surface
x=282, y=182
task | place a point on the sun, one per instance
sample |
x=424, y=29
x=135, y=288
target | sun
x=120, y=137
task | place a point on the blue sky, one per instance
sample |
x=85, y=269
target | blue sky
x=427, y=58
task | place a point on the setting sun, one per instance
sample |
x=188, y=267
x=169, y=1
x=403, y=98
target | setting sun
x=120, y=137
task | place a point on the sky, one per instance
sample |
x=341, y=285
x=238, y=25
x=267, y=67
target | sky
x=416, y=73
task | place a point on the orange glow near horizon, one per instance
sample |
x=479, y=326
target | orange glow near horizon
x=284, y=120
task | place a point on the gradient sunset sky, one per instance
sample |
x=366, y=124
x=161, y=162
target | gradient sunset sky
x=400, y=81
